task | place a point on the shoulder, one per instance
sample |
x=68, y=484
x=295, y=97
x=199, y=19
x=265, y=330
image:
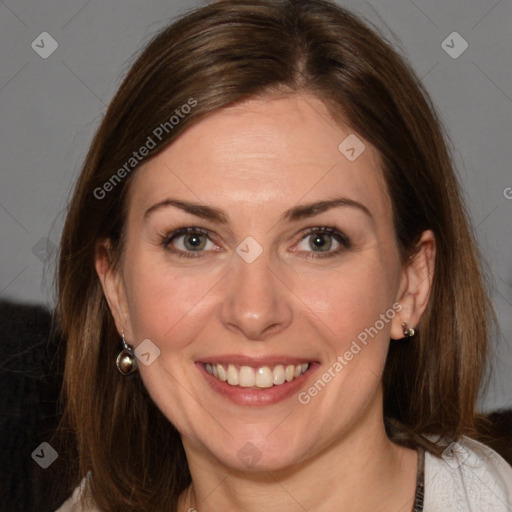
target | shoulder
x=469, y=476
x=74, y=503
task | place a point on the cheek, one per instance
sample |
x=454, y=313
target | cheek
x=351, y=298
x=355, y=308
x=165, y=306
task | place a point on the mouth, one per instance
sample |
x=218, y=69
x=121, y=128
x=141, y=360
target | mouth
x=254, y=382
x=261, y=377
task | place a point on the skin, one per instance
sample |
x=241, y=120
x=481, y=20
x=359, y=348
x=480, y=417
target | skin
x=254, y=161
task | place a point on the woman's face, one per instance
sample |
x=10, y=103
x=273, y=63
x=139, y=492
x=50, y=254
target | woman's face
x=269, y=279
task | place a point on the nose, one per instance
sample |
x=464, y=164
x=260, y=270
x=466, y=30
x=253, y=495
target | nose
x=257, y=303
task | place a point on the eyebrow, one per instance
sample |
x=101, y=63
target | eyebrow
x=293, y=214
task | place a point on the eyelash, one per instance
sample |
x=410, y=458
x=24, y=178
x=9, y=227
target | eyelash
x=340, y=237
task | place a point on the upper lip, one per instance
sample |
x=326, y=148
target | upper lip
x=254, y=361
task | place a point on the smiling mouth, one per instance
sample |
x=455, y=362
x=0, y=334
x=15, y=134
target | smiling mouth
x=260, y=377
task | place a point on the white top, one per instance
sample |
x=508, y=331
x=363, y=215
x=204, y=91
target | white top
x=471, y=477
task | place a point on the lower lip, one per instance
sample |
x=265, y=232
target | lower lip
x=253, y=396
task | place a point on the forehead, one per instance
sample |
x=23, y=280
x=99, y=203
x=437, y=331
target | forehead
x=272, y=152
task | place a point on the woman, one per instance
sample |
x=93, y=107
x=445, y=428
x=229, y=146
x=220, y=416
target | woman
x=263, y=280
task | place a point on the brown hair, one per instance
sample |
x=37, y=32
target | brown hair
x=216, y=56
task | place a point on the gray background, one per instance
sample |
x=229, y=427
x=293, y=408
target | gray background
x=49, y=109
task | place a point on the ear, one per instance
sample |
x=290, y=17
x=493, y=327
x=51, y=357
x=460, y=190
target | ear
x=415, y=285
x=114, y=287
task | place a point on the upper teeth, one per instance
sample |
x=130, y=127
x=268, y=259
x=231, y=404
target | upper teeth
x=261, y=377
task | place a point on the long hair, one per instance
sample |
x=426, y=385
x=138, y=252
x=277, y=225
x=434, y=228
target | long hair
x=211, y=58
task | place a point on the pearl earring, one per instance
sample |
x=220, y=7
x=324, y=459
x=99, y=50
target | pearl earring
x=126, y=362
x=409, y=332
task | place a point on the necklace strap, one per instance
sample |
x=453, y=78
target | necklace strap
x=420, y=482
